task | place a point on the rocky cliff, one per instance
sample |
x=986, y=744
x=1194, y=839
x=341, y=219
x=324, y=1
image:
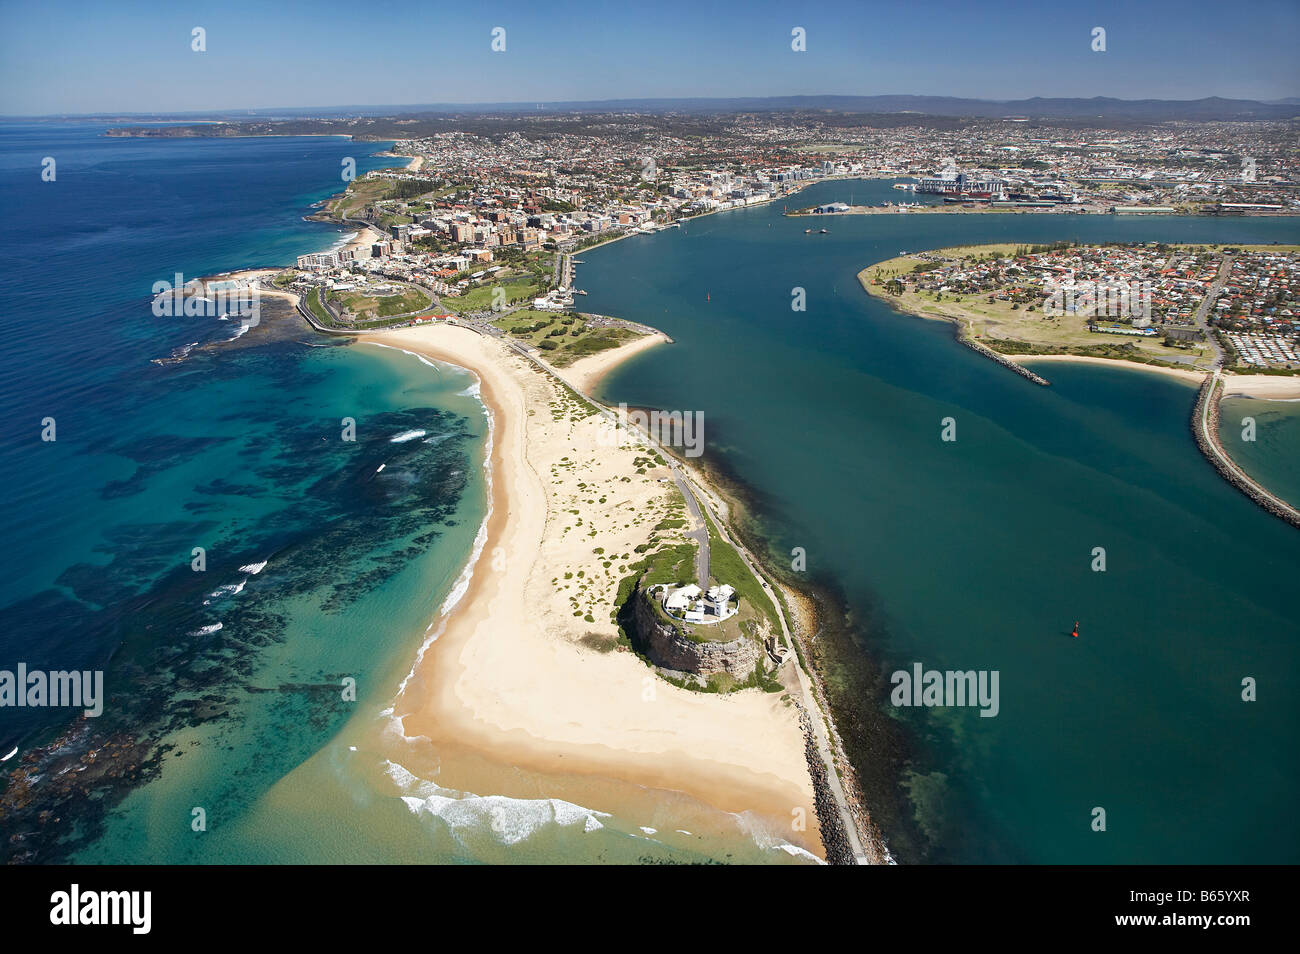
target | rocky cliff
x=665, y=646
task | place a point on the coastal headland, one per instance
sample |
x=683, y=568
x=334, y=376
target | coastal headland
x=527, y=671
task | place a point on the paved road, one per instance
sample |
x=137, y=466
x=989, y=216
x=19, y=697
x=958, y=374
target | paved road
x=1199, y=319
x=820, y=734
x=699, y=535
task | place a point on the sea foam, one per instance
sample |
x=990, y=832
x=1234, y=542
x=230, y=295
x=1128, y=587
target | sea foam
x=405, y=436
x=508, y=820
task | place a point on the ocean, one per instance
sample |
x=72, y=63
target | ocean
x=978, y=553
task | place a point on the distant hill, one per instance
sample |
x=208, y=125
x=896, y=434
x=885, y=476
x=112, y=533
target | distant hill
x=1209, y=109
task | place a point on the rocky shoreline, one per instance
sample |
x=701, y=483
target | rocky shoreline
x=959, y=332
x=1001, y=359
x=835, y=841
x=1207, y=440
x=682, y=658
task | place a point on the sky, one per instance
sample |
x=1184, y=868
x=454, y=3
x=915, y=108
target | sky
x=60, y=57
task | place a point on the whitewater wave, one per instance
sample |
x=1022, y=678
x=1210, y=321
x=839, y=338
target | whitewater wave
x=508, y=820
x=413, y=354
x=759, y=833
x=177, y=355
x=405, y=436
x=343, y=241
x=230, y=589
x=254, y=568
x=797, y=852
x=207, y=630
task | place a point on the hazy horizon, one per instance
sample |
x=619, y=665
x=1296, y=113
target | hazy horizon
x=613, y=102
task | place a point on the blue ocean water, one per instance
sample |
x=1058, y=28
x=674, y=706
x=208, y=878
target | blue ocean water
x=236, y=449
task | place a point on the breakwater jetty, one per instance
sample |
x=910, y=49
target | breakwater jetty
x=1205, y=429
x=1001, y=359
x=961, y=333
x=835, y=840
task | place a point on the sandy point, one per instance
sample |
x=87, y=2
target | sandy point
x=1269, y=387
x=526, y=673
x=585, y=374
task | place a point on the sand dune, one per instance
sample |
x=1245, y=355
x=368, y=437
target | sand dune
x=519, y=678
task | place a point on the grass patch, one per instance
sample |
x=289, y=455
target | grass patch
x=481, y=298
x=726, y=566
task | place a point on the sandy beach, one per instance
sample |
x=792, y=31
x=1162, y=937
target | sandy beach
x=1271, y=387
x=365, y=238
x=1189, y=375
x=585, y=374
x=1274, y=387
x=525, y=675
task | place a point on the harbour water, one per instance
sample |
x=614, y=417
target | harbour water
x=978, y=553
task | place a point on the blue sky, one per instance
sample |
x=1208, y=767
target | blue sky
x=75, y=57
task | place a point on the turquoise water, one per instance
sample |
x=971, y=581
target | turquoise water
x=317, y=568
x=977, y=553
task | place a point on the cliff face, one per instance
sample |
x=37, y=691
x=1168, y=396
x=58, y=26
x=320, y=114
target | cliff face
x=667, y=648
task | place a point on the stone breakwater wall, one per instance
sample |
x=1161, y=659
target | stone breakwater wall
x=1205, y=429
x=959, y=332
x=839, y=851
x=1003, y=360
x=871, y=838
